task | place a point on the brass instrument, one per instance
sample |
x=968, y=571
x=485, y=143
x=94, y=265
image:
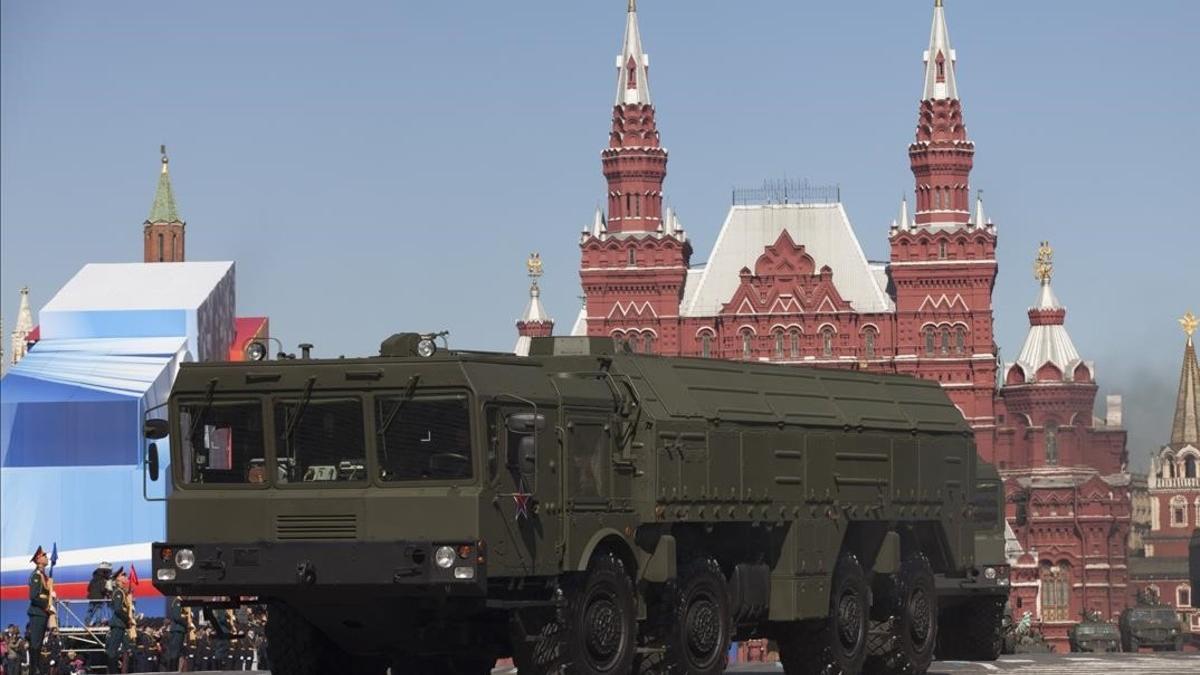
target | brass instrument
x=191, y=624
x=51, y=597
x=127, y=608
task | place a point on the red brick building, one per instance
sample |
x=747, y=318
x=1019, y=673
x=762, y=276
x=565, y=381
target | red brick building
x=1174, y=487
x=1068, y=490
x=788, y=282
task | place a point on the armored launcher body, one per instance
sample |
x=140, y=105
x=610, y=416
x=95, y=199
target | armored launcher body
x=578, y=509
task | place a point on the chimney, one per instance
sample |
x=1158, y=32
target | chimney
x=1113, y=416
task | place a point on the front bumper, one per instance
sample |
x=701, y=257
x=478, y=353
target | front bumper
x=274, y=569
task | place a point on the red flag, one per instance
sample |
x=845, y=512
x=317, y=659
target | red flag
x=133, y=580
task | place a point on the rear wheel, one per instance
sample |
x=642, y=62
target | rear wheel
x=909, y=603
x=837, y=644
x=972, y=631
x=700, y=630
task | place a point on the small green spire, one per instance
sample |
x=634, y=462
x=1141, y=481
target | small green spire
x=163, y=210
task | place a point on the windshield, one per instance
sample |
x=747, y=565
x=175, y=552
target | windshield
x=222, y=442
x=320, y=441
x=423, y=439
x=987, y=502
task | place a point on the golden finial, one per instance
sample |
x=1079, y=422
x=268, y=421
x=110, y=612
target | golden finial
x=937, y=3
x=1043, y=267
x=1189, y=323
x=534, y=265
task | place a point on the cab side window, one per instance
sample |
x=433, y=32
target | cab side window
x=588, y=443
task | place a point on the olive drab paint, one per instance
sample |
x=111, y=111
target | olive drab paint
x=774, y=471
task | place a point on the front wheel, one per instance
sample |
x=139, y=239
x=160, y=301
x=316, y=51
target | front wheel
x=594, y=631
x=911, y=605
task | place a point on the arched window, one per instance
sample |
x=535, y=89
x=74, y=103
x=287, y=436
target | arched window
x=648, y=343
x=1179, y=511
x=929, y=340
x=1056, y=592
x=945, y=339
x=628, y=207
x=706, y=346
x=1189, y=467
x=747, y=345
x=160, y=247
x=632, y=257
x=618, y=344
x=631, y=345
x=794, y=336
x=941, y=250
x=869, y=340
x=827, y=341
x=960, y=339
x=1183, y=596
x=779, y=343
x=1051, y=444
x=174, y=255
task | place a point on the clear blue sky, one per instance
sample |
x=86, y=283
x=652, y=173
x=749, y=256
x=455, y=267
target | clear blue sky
x=382, y=166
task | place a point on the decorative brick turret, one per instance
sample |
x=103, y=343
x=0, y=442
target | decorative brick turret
x=163, y=232
x=534, y=322
x=634, y=262
x=943, y=260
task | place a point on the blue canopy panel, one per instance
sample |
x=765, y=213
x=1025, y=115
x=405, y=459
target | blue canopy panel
x=82, y=402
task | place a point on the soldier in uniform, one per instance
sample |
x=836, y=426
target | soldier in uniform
x=175, y=633
x=40, y=609
x=121, y=628
x=223, y=635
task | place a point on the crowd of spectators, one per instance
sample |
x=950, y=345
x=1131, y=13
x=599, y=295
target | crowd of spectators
x=77, y=653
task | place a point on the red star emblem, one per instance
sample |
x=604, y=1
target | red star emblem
x=522, y=501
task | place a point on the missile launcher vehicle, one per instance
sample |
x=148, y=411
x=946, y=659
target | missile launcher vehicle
x=580, y=510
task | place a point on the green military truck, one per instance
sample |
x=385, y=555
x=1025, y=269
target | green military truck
x=580, y=510
x=973, y=606
x=1154, y=626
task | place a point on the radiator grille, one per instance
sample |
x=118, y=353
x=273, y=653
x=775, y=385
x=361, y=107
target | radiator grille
x=323, y=526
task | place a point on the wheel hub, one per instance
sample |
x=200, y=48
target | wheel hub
x=602, y=623
x=921, y=617
x=850, y=617
x=703, y=628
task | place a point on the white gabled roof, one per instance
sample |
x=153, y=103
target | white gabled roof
x=823, y=230
x=939, y=43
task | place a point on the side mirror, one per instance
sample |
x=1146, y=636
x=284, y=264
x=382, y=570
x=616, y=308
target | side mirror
x=152, y=461
x=155, y=429
x=525, y=423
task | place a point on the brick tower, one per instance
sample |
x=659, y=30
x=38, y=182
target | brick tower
x=163, y=229
x=943, y=261
x=634, y=262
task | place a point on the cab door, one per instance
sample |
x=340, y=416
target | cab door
x=523, y=532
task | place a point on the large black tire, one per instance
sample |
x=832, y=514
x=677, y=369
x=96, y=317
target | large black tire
x=700, y=628
x=593, y=633
x=909, y=605
x=972, y=631
x=296, y=647
x=836, y=645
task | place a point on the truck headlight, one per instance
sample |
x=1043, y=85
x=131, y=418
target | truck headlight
x=185, y=559
x=165, y=574
x=444, y=557
x=990, y=573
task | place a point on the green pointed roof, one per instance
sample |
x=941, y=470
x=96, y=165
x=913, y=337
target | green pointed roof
x=163, y=210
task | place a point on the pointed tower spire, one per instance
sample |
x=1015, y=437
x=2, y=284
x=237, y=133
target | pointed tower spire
x=905, y=222
x=1186, y=427
x=1048, y=342
x=980, y=220
x=598, y=224
x=633, y=86
x=939, y=59
x=635, y=163
x=534, y=322
x=942, y=156
x=163, y=231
